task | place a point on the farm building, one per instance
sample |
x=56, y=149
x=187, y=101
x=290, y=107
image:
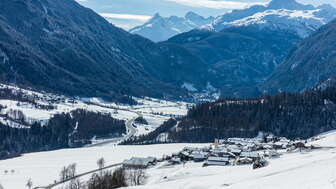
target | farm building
x=139, y=163
x=199, y=157
x=252, y=155
x=217, y=161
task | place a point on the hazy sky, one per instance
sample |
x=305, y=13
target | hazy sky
x=129, y=13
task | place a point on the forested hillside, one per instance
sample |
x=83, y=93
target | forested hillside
x=62, y=131
x=240, y=58
x=60, y=46
x=311, y=62
x=290, y=115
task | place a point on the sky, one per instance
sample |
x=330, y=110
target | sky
x=130, y=13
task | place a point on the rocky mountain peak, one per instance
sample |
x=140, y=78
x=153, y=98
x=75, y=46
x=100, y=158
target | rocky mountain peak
x=288, y=4
x=191, y=16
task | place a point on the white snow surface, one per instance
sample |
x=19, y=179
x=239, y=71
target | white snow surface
x=303, y=22
x=277, y=14
x=155, y=110
x=44, y=167
x=306, y=170
x=160, y=28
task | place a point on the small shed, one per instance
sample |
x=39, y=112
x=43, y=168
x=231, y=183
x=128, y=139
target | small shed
x=185, y=156
x=243, y=161
x=299, y=145
x=252, y=155
x=139, y=163
x=199, y=157
x=219, y=151
x=175, y=160
x=217, y=161
x=271, y=154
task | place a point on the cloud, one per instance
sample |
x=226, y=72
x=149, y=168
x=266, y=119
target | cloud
x=216, y=4
x=125, y=21
x=126, y=16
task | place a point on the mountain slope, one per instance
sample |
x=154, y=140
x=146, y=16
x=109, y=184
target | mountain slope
x=159, y=28
x=244, y=47
x=302, y=22
x=310, y=63
x=289, y=10
x=64, y=47
x=239, y=58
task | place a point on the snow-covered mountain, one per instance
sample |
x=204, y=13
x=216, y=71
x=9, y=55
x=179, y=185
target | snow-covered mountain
x=159, y=28
x=302, y=22
x=278, y=14
x=244, y=47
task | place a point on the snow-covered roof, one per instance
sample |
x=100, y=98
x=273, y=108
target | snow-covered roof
x=218, y=159
x=220, y=163
x=250, y=154
x=136, y=161
x=199, y=156
x=219, y=150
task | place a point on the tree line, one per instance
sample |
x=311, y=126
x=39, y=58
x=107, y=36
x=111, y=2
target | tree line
x=60, y=132
x=300, y=115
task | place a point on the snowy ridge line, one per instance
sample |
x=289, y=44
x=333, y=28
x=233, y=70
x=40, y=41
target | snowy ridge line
x=77, y=176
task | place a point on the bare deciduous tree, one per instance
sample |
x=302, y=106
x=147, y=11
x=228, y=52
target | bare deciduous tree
x=29, y=183
x=63, y=174
x=75, y=184
x=137, y=176
x=72, y=170
x=101, y=165
x=68, y=172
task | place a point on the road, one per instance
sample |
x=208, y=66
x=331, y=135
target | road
x=131, y=131
x=77, y=176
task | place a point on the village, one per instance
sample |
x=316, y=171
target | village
x=228, y=152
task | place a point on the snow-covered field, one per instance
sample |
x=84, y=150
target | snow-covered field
x=155, y=111
x=306, y=170
x=44, y=167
